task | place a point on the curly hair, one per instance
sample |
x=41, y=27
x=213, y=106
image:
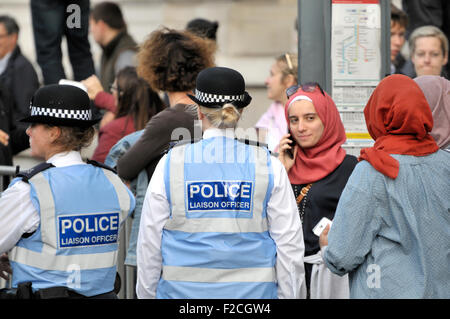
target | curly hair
x=170, y=60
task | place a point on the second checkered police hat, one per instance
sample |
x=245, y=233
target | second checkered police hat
x=60, y=105
x=217, y=86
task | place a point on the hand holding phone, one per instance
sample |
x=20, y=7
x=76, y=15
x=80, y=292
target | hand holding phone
x=321, y=225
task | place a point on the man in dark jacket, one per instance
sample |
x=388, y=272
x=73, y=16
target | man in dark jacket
x=18, y=82
x=109, y=30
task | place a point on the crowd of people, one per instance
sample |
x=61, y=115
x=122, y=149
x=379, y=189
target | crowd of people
x=215, y=216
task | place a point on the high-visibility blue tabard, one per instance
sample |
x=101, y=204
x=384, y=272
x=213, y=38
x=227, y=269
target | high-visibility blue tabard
x=76, y=243
x=216, y=243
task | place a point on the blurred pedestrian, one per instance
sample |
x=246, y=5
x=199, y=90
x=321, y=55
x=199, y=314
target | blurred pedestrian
x=429, y=51
x=18, y=82
x=52, y=20
x=399, y=23
x=437, y=93
x=136, y=104
x=109, y=30
x=272, y=124
x=169, y=60
x=391, y=228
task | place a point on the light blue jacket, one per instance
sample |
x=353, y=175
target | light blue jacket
x=393, y=236
x=138, y=186
x=216, y=243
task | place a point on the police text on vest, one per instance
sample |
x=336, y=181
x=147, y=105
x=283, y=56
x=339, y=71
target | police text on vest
x=88, y=229
x=219, y=196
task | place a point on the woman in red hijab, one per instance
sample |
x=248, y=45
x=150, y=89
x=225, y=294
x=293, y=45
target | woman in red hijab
x=392, y=225
x=318, y=171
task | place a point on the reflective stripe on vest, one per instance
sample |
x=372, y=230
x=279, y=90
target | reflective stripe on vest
x=216, y=243
x=195, y=274
x=237, y=225
x=49, y=237
x=58, y=259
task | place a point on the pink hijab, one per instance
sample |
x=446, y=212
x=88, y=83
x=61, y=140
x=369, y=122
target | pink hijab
x=437, y=92
x=317, y=162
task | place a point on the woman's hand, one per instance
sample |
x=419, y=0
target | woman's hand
x=283, y=148
x=323, y=239
x=93, y=86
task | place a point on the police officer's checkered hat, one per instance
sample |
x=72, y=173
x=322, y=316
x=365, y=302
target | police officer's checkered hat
x=61, y=105
x=217, y=86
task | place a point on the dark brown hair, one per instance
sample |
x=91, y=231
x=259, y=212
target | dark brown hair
x=170, y=60
x=110, y=13
x=136, y=98
x=399, y=16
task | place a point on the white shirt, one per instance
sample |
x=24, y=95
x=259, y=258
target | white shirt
x=17, y=213
x=284, y=227
x=4, y=62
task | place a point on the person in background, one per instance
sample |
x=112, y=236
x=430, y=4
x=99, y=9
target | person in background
x=109, y=30
x=61, y=219
x=18, y=82
x=203, y=28
x=437, y=93
x=272, y=124
x=392, y=224
x=52, y=20
x=136, y=104
x=250, y=244
x=169, y=60
x=429, y=51
x=318, y=169
x=428, y=12
x=399, y=23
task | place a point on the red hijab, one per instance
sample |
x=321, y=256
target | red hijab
x=399, y=119
x=314, y=163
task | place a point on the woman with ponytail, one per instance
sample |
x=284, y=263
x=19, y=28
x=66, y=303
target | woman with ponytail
x=219, y=219
x=136, y=104
x=392, y=225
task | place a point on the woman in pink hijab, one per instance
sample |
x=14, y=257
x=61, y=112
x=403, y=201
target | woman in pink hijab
x=437, y=92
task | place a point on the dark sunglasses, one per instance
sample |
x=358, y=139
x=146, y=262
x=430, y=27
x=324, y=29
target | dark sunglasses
x=307, y=87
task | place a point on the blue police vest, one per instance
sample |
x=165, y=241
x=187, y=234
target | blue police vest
x=216, y=242
x=76, y=243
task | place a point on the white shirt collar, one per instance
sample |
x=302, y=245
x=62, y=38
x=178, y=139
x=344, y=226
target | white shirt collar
x=4, y=62
x=66, y=159
x=215, y=132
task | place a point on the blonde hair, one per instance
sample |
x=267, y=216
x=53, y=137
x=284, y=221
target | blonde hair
x=288, y=64
x=225, y=117
x=428, y=31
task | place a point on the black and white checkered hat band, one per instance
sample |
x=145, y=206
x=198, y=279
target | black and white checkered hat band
x=215, y=98
x=84, y=115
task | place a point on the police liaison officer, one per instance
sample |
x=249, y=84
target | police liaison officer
x=61, y=219
x=219, y=218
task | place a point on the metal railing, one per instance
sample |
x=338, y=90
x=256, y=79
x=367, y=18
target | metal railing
x=6, y=171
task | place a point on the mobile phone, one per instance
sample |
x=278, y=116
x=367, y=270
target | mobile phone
x=290, y=152
x=321, y=225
